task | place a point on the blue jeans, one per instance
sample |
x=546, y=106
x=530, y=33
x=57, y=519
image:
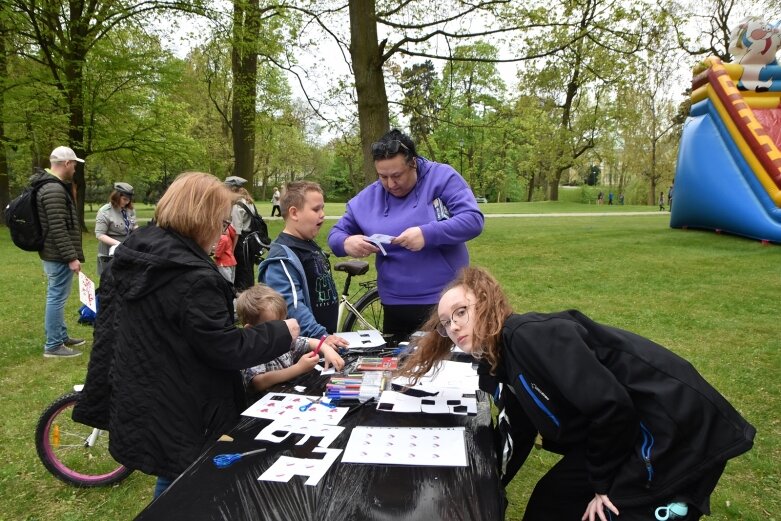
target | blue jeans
x=162, y=485
x=60, y=279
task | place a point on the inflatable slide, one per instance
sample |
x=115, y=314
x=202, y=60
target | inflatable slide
x=728, y=176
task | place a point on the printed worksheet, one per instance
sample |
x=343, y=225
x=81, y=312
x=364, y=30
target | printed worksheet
x=296, y=407
x=420, y=446
x=447, y=375
x=366, y=338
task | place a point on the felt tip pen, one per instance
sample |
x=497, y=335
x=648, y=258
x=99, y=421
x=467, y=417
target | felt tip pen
x=320, y=344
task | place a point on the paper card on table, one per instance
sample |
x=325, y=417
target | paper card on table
x=278, y=430
x=419, y=446
x=275, y=406
x=446, y=401
x=365, y=338
x=87, y=292
x=286, y=467
x=448, y=375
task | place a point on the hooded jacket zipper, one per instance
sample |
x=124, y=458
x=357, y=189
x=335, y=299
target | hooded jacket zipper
x=645, y=452
x=537, y=401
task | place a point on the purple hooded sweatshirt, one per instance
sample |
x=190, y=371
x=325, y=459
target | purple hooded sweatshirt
x=405, y=277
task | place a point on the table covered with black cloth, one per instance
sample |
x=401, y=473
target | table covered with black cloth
x=348, y=491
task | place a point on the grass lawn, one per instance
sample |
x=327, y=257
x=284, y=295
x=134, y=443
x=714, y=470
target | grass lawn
x=711, y=298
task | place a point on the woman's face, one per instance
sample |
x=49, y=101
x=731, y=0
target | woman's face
x=124, y=201
x=456, y=308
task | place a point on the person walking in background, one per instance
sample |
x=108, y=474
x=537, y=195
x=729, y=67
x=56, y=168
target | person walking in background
x=428, y=210
x=661, y=201
x=642, y=434
x=275, y=203
x=62, y=253
x=224, y=257
x=621, y=199
x=114, y=222
x=670, y=198
x=600, y=198
x=241, y=221
x=610, y=199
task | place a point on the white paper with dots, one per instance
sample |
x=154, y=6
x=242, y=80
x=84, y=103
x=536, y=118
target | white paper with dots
x=420, y=446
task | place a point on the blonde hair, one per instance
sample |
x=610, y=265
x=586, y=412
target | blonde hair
x=295, y=195
x=259, y=301
x=194, y=206
x=490, y=312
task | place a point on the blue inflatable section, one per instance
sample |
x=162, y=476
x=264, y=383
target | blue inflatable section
x=714, y=186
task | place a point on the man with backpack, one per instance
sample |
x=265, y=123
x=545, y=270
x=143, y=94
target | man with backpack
x=62, y=253
x=251, y=233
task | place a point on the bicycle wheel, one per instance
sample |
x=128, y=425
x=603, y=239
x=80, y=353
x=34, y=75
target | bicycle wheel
x=64, y=448
x=371, y=313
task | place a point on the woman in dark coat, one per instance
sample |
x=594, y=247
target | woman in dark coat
x=643, y=435
x=175, y=385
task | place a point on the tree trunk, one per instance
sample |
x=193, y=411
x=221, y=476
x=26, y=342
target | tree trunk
x=5, y=194
x=74, y=77
x=244, y=63
x=367, y=61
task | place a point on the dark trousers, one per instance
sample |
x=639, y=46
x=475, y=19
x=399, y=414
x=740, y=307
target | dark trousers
x=245, y=269
x=403, y=320
x=564, y=492
x=276, y=209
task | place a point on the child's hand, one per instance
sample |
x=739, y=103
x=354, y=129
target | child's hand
x=337, y=341
x=332, y=358
x=307, y=362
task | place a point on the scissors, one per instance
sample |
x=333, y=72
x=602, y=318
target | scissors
x=222, y=461
x=306, y=407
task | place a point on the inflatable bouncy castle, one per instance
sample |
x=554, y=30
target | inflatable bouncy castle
x=728, y=176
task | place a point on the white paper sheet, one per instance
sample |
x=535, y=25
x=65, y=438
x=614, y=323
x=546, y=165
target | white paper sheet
x=365, y=338
x=419, y=446
x=452, y=375
x=286, y=467
x=378, y=239
x=446, y=401
x=278, y=430
x=275, y=406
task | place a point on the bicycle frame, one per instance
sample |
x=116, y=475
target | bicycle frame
x=344, y=303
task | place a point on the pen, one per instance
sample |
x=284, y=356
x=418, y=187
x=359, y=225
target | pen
x=320, y=344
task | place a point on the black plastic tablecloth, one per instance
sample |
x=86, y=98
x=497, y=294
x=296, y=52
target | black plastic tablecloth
x=348, y=491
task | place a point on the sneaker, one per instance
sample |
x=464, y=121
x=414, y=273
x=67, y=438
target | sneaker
x=73, y=342
x=60, y=352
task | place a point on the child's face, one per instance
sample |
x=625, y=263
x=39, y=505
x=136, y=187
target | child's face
x=454, y=311
x=306, y=222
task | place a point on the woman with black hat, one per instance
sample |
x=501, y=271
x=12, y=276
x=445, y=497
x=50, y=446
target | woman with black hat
x=114, y=222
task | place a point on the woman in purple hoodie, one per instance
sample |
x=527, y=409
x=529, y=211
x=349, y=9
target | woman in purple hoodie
x=428, y=210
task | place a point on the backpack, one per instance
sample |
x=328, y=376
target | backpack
x=256, y=240
x=21, y=217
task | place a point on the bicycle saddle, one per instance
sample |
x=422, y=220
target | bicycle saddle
x=354, y=267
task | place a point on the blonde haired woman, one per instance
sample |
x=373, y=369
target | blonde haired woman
x=174, y=374
x=643, y=435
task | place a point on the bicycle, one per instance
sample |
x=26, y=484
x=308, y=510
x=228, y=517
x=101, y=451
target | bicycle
x=367, y=312
x=73, y=452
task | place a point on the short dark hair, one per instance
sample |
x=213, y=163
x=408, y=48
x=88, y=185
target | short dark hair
x=387, y=146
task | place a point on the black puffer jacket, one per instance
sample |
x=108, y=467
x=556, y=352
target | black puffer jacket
x=175, y=381
x=59, y=220
x=649, y=423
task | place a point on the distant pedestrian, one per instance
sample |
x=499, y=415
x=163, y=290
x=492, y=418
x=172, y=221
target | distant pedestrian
x=275, y=203
x=610, y=199
x=661, y=201
x=600, y=198
x=621, y=198
x=670, y=197
x=62, y=252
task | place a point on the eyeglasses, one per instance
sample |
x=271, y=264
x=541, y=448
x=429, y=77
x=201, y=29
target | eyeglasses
x=386, y=149
x=460, y=316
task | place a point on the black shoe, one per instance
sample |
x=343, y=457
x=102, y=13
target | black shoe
x=73, y=342
x=60, y=352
